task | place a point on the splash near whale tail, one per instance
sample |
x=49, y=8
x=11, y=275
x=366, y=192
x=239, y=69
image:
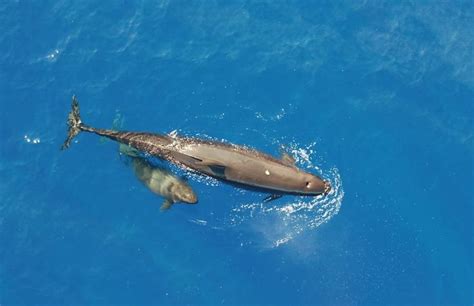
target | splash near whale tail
x=74, y=122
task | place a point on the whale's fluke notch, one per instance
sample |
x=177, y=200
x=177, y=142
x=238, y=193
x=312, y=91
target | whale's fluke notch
x=166, y=205
x=74, y=123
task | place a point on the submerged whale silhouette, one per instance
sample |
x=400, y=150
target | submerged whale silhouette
x=159, y=180
x=240, y=165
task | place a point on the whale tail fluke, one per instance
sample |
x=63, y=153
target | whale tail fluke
x=74, y=123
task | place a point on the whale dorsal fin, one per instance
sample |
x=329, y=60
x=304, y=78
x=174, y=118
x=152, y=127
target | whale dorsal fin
x=287, y=159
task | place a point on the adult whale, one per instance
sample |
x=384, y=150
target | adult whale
x=241, y=165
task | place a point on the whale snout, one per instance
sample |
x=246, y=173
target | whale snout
x=314, y=185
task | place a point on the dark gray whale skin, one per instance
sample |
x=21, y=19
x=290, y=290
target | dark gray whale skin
x=240, y=165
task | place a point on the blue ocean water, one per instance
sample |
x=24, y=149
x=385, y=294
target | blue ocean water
x=375, y=96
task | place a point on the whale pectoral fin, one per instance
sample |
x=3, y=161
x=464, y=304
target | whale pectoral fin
x=216, y=168
x=287, y=159
x=272, y=197
x=166, y=205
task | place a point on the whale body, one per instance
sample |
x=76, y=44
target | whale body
x=236, y=164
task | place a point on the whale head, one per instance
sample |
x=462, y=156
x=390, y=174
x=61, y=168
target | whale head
x=182, y=192
x=312, y=184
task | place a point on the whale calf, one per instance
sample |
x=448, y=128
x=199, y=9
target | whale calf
x=159, y=180
x=236, y=164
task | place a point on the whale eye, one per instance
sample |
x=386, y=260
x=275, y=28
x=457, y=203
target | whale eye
x=308, y=184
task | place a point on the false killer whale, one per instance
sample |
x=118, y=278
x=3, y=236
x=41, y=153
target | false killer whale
x=236, y=164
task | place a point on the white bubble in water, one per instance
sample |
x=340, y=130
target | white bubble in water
x=30, y=140
x=53, y=56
